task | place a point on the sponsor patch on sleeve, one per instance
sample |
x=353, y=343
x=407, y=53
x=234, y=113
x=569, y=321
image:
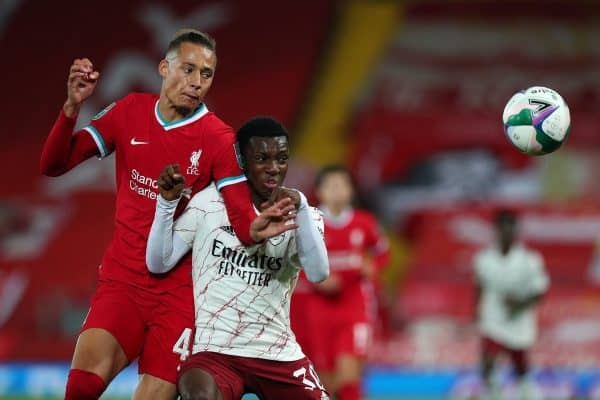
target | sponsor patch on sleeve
x=106, y=109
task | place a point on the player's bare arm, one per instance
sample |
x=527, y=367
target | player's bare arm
x=80, y=85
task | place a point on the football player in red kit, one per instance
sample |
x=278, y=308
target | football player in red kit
x=343, y=306
x=133, y=312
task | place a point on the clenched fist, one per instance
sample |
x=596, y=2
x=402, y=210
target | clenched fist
x=171, y=182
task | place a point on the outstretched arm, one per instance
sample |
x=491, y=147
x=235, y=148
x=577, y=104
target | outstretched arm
x=165, y=247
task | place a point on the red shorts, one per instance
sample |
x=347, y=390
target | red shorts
x=305, y=324
x=491, y=348
x=146, y=325
x=324, y=334
x=290, y=380
x=342, y=338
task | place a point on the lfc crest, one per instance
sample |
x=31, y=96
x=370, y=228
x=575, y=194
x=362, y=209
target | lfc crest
x=194, y=162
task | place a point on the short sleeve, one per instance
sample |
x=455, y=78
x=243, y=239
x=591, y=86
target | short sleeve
x=375, y=239
x=106, y=125
x=540, y=280
x=192, y=217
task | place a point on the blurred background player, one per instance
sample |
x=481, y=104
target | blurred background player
x=338, y=330
x=243, y=340
x=510, y=280
x=133, y=313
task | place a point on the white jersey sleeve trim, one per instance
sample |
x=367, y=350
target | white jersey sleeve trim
x=230, y=181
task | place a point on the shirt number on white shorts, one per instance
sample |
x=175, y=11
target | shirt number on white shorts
x=306, y=381
x=182, y=345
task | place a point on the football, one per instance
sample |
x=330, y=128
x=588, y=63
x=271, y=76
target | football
x=536, y=120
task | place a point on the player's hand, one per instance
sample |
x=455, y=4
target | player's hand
x=171, y=182
x=80, y=85
x=513, y=306
x=272, y=221
x=331, y=286
x=280, y=193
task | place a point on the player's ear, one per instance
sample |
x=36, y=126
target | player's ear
x=163, y=68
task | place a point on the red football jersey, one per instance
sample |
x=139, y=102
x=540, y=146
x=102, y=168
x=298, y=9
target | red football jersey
x=144, y=143
x=351, y=239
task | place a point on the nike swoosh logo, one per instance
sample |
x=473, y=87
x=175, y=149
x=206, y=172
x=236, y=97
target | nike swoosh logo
x=135, y=142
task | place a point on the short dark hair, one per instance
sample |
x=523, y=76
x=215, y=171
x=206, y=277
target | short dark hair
x=332, y=169
x=191, y=36
x=259, y=127
x=504, y=216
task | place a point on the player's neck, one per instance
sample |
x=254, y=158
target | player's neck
x=339, y=219
x=336, y=212
x=505, y=248
x=170, y=113
x=256, y=199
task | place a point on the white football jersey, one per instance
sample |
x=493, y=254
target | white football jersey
x=242, y=295
x=519, y=274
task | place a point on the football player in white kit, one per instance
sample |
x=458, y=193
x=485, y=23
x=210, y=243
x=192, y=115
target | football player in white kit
x=511, y=280
x=243, y=341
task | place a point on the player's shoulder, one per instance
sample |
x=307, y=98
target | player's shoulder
x=140, y=99
x=131, y=105
x=208, y=198
x=532, y=255
x=364, y=217
x=482, y=256
x=216, y=125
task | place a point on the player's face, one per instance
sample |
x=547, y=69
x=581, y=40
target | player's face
x=335, y=191
x=266, y=164
x=188, y=77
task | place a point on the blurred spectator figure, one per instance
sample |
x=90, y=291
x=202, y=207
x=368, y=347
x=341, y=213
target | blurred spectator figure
x=333, y=320
x=12, y=288
x=511, y=280
x=14, y=283
x=594, y=271
x=12, y=220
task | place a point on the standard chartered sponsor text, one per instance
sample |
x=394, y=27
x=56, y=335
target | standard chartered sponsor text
x=143, y=185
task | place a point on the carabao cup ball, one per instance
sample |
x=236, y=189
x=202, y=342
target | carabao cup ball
x=537, y=120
